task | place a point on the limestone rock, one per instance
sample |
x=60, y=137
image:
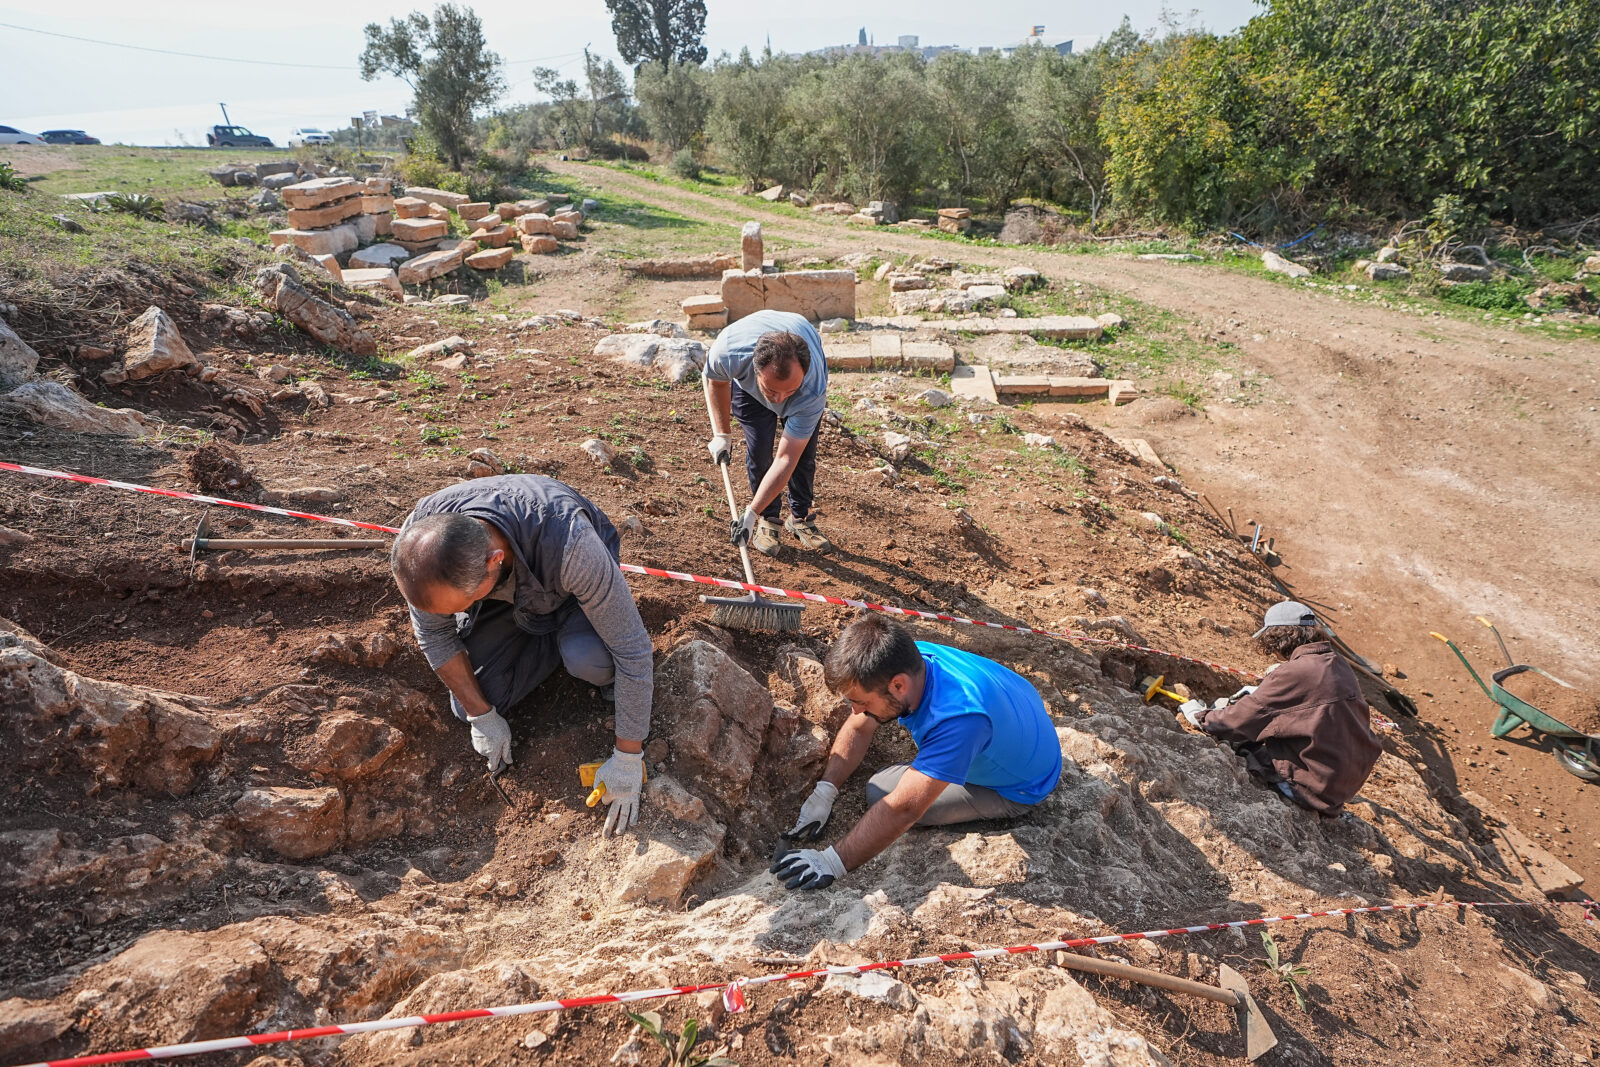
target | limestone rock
x=281, y=290
x=118, y=735
x=1465, y=272
x=602, y=452
x=417, y=230
x=410, y=207
x=317, y=218
x=751, y=246
x=26, y=1025
x=153, y=344
x=702, y=305
x=445, y=347
x=772, y=193
x=565, y=231
x=663, y=872
x=533, y=222
x=52, y=404
x=296, y=823
x=897, y=446
x=350, y=747
x=490, y=259
x=18, y=360
x=375, y=650
x=482, y=463
x=1278, y=265
x=375, y=256
x=659, y=327
x=381, y=280
x=429, y=266
x=1383, y=272
x=335, y=241
x=439, y=197
x=320, y=191
x=715, y=717
x=1022, y=278
x=539, y=244
x=1387, y=254
x=474, y=210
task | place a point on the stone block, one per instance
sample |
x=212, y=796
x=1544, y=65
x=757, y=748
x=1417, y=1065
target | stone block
x=742, y=294
x=954, y=225
x=318, y=218
x=449, y=201
x=419, y=229
x=702, y=305
x=566, y=231
x=1064, y=386
x=572, y=215
x=319, y=191
x=973, y=383
x=378, y=186
x=1383, y=272
x=415, y=248
x=497, y=237
x=928, y=356
x=533, y=206
x=904, y=283
x=955, y=213
x=816, y=294
x=1465, y=272
x=849, y=357
x=1022, y=384
x=863, y=219
x=372, y=203
x=533, y=222
x=750, y=246
x=772, y=194
x=690, y=267
x=711, y=320
x=886, y=349
x=330, y=242
x=507, y=211
x=1122, y=392
x=409, y=207
x=1278, y=265
x=375, y=279
x=366, y=228
x=384, y=255
x=427, y=267
x=382, y=224
x=331, y=265
x=438, y=211
x=474, y=210
x=1068, y=327
x=277, y=166
x=491, y=259
x=539, y=244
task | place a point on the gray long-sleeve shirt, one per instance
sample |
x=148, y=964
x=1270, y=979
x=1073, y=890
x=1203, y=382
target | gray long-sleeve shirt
x=592, y=576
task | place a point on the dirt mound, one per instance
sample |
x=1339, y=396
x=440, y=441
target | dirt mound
x=1578, y=708
x=215, y=469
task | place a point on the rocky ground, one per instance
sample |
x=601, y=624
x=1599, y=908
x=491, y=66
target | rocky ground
x=238, y=802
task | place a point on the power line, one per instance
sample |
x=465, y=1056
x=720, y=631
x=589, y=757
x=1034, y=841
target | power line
x=171, y=52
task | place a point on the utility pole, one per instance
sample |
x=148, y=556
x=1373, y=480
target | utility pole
x=226, y=121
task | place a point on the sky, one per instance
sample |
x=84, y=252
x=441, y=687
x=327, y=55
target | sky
x=121, y=95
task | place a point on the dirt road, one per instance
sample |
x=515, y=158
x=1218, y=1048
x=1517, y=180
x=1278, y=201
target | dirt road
x=1417, y=471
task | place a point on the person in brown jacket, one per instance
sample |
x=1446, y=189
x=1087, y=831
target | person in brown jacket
x=1304, y=729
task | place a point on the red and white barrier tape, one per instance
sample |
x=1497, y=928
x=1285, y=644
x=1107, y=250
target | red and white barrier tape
x=733, y=992
x=632, y=568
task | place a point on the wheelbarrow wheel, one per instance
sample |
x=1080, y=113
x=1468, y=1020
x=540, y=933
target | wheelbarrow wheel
x=1582, y=762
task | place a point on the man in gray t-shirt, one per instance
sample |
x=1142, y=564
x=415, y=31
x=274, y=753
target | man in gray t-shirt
x=768, y=370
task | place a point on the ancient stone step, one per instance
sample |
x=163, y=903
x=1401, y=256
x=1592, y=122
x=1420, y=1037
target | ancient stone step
x=974, y=382
x=419, y=229
x=1066, y=327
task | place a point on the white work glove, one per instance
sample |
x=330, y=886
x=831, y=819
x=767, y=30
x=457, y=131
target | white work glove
x=1223, y=702
x=491, y=739
x=622, y=775
x=806, y=868
x=721, y=447
x=743, y=528
x=1194, y=711
x=814, y=813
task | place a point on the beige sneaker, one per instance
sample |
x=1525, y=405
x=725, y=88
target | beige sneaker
x=766, y=538
x=810, y=538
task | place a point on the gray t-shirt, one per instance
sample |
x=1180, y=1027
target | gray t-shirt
x=731, y=360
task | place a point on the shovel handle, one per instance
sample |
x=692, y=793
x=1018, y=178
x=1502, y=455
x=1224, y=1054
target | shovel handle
x=1112, y=969
x=274, y=543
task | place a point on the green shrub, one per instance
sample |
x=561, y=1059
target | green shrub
x=10, y=180
x=684, y=165
x=1486, y=296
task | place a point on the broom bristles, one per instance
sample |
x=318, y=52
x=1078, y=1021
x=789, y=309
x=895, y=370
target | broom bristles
x=753, y=613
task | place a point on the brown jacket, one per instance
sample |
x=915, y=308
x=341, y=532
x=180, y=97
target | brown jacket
x=1306, y=724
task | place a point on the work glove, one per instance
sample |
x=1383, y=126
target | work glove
x=1194, y=711
x=622, y=775
x=806, y=868
x=491, y=739
x=720, y=447
x=740, y=530
x=1223, y=702
x=814, y=813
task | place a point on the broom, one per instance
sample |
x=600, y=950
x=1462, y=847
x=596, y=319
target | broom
x=749, y=612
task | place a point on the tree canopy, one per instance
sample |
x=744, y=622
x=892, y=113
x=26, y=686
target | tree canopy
x=659, y=31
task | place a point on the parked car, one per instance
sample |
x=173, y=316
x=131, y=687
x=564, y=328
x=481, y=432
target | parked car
x=308, y=135
x=236, y=137
x=68, y=137
x=12, y=135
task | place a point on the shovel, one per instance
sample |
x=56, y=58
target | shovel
x=1258, y=1036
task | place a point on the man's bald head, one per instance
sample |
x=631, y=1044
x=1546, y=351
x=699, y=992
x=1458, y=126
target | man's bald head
x=448, y=552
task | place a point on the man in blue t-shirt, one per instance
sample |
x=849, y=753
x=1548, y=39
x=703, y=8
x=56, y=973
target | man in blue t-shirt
x=765, y=369
x=986, y=748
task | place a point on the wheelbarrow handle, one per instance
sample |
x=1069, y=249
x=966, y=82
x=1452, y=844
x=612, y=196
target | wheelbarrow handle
x=1462, y=657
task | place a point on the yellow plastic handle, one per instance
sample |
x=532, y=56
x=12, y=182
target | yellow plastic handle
x=1441, y=637
x=594, y=797
x=1486, y=622
x=586, y=773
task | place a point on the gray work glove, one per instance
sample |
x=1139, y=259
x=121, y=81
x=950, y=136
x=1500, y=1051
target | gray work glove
x=814, y=813
x=1222, y=702
x=721, y=447
x=491, y=739
x=1194, y=711
x=806, y=868
x=740, y=530
x=622, y=775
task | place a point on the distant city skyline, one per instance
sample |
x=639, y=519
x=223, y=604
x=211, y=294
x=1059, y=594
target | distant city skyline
x=139, y=97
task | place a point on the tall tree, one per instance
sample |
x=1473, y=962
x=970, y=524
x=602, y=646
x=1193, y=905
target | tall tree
x=447, y=63
x=576, y=119
x=659, y=31
x=674, y=101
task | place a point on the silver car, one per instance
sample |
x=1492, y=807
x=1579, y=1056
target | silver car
x=12, y=135
x=307, y=135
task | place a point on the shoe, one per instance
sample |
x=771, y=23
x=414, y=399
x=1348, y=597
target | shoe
x=766, y=538
x=810, y=538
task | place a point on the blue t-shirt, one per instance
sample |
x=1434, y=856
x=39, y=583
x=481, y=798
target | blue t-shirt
x=731, y=355
x=981, y=724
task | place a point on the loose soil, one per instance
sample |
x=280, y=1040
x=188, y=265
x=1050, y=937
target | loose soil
x=1574, y=707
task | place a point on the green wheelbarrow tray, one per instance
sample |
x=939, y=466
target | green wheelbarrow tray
x=1580, y=758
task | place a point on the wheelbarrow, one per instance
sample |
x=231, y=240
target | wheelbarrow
x=1577, y=752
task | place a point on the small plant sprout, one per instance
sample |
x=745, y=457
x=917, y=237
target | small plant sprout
x=1288, y=973
x=679, y=1047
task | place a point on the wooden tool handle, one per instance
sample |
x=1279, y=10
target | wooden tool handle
x=288, y=542
x=1112, y=969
